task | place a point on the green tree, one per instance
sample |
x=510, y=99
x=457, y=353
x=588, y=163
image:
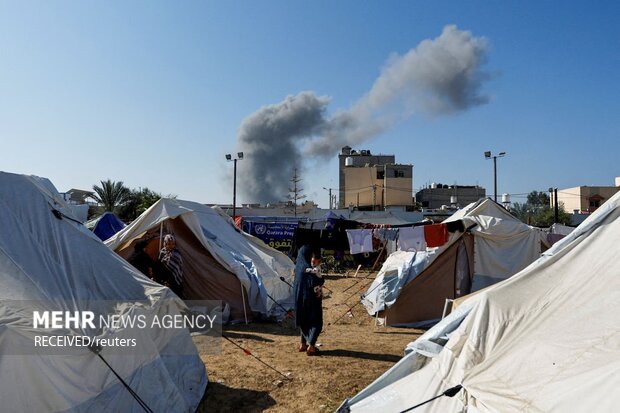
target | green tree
x=538, y=212
x=536, y=198
x=139, y=200
x=522, y=211
x=546, y=216
x=111, y=194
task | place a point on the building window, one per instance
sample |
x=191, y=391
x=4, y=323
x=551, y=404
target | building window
x=595, y=201
x=399, y=173
x=380, y=174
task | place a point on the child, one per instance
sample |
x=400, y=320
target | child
x=315, y=269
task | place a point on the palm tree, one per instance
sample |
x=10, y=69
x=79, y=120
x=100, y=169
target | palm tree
x=138, y=201
x=111, y=194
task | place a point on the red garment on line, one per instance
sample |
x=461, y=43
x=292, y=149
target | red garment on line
x=436, y=235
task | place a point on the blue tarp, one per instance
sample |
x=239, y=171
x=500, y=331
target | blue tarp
x=107, y=225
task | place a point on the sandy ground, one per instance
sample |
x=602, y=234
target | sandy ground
x=354, y=353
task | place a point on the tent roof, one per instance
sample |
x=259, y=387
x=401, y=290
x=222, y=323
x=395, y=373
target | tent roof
x=377, y=218
x=546, y=339
x=504, y=246
x=106, y=225
x=48, y=258
x=257, y=266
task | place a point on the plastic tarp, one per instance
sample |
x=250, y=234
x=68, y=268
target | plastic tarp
x=257, y=266
x=50, y=259
x=545, y=340
x=503, y=246
x=105, y=226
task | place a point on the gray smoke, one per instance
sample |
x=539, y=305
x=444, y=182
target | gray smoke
x=272, y=138
x=438, y=77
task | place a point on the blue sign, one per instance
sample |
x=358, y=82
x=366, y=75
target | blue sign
x=276, y=235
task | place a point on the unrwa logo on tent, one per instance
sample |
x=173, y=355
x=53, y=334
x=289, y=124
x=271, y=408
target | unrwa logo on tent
x=260, y=229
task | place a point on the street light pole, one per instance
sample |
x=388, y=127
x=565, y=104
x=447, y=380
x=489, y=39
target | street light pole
x=487, y=155
x=235, y=189
x=229, y=158
x=494, y=178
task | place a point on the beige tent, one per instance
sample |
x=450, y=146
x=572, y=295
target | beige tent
x=219, y=261
x=412, y=287
x=545, y=340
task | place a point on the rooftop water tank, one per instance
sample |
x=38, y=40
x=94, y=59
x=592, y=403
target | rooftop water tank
x=453, y=199
x=505, y=198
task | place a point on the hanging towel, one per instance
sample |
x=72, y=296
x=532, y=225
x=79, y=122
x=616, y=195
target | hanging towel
x=436, y=235
x=385, y=234
x=411, y=239
x=391, y=234
x=360, y=240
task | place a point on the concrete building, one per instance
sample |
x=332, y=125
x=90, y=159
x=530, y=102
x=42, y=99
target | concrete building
x=585, y=199
x=372, y=182
x=438, y=195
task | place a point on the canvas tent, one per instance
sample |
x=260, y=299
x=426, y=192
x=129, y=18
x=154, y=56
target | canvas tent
x=411, y=287
x=105, y=225
x=46, y=256
x=218, y=259
x=545, y=340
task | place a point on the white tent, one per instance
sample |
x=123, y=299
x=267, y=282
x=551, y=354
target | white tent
x=545, y=340
x=411, y=287
x=209, y=230
x=49, y=258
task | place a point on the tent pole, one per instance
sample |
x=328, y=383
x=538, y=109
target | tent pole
x=356, y=271
x=245, y=314
x=445, y=307
x=161, y=233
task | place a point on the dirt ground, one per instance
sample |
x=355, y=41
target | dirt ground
x=354, y=353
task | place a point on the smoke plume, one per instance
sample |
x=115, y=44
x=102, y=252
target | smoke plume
x=438, y=77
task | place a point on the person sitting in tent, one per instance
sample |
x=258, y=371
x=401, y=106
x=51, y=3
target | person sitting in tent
x=308, y=300
x=172, y=264
x=142, y=261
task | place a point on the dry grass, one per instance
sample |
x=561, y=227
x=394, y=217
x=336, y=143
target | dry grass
x=354, y=353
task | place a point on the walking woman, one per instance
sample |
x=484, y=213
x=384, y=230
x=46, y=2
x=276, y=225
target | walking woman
x=308, y=299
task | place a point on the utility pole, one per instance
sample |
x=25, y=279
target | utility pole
x=553, y=192
x=332, y=201
x=556, y=212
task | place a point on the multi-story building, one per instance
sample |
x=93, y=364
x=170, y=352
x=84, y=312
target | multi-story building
x=585, y=199
x=371, y=182
x=438, y=195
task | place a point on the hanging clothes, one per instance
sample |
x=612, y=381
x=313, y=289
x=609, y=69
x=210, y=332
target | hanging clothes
x=436, y=235
x=386, y=234
x=360, y=240
x=411, y=239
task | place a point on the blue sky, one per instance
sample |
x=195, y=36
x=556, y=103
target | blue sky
x=153, y=93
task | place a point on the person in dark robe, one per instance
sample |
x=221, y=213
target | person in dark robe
x=141, y=260
x=308, y=301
